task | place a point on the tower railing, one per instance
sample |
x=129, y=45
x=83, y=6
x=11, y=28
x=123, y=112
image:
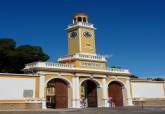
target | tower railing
x=83, y=56
x=118, y=70
x=83, y=24
x=48, y=65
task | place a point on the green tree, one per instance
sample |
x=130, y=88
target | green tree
x=118, y=67
x=13, y=59
x=7, y=53
x=158, y=79
x=134, y=76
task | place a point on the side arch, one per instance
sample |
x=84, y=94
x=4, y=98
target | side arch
x=59, y=77
x=119, y=81
x=58, y=92
x=117, y=91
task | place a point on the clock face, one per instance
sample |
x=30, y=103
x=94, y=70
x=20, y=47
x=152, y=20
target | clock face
x=73, y=34
x=87, y=34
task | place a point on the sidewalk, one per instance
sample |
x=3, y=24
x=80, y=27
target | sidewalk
x=40, y=110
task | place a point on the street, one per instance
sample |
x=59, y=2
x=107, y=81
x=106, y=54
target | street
x=120, y=110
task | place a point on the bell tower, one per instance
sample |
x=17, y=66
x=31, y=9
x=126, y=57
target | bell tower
x=81, y=45
x=81, y=37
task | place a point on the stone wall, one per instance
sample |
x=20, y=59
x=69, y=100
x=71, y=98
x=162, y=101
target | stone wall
x=155, y=102
x=19, y=106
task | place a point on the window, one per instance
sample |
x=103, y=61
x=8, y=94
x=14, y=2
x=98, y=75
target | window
x=51, y=91
x=28, y=93
x=79, y=19
x=74, y=19
x=84, y=19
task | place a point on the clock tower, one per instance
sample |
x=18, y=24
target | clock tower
x=81, y=45
x=81, y=37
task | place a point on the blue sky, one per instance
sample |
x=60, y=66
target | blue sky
x=133, y=32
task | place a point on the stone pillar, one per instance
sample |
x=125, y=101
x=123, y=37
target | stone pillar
x=105, y=92
x=42, y=88
x=129, y=97
x=76, y=92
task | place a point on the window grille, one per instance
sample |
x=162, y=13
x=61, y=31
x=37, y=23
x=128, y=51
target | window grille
x=28, y=93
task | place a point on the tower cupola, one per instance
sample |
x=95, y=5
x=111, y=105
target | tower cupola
x=80, y=17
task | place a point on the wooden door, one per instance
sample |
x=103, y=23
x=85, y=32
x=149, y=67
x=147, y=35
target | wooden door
x=61, y=96
x=115, y=91
x=57, y=94
x=91, y=93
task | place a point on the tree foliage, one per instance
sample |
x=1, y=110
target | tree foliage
x=158, y=79
x=134, y=76
x=13, y=59
x=118, y=67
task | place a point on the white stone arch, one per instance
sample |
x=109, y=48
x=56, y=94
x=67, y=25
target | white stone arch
x=94, y=80
x=119, y=81
x=69, y=84
x=59, y=77
x=124, y=89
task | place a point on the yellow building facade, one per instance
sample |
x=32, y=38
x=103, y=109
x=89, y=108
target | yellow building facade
x=82, y=73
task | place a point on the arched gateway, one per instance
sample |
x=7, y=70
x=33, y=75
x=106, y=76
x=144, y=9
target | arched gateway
x=57, y=93
x=115, y=91
x=89, y=88
x=59, y=83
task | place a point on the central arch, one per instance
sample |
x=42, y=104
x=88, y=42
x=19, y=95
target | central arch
x=115, y=91
x=57, y=93
x=90, y=92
